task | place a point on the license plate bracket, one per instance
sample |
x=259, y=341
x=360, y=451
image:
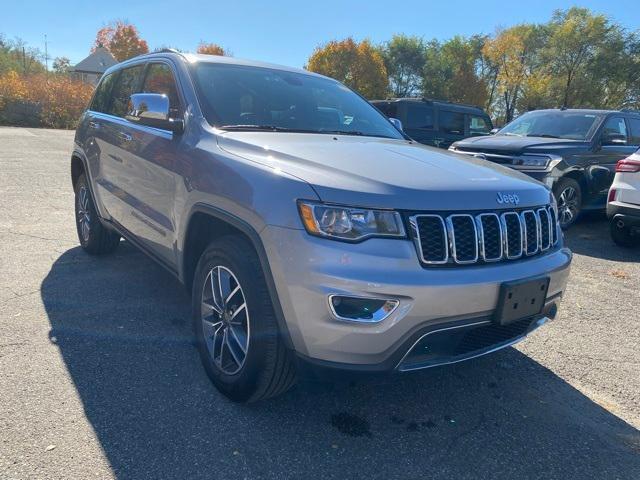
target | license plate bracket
x=521, y=299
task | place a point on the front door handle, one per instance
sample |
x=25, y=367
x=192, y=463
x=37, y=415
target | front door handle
x=124, y=136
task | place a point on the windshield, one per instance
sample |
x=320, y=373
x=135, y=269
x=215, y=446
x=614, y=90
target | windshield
x=238, y=97
x=556, y=124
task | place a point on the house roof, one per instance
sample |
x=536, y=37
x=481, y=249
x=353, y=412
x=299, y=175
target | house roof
x=97, y=62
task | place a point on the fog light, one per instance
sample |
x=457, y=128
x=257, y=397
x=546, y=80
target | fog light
x=361, y=309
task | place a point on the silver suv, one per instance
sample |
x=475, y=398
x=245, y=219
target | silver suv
x=310, y=230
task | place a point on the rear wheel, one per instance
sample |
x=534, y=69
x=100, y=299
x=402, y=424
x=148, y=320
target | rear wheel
x=235, y=325
x=569, y=197
x=622, y=235
x=94, y=237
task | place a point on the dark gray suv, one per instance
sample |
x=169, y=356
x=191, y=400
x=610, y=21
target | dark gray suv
x=310, y=231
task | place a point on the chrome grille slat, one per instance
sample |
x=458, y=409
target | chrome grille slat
x=465, y=238
x=462, y=248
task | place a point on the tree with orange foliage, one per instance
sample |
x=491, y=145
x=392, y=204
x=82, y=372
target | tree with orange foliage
x=212, y=49
x=122, y=40
x=357, y=65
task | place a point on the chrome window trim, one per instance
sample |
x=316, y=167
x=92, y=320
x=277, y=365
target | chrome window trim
x=413, y=221
x=480, y=229
x=503, y=223
x=452, y=237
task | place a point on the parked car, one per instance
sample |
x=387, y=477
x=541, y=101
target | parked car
x=623, y=206
x=309, y=230
x=573, y=152
x=434, y=122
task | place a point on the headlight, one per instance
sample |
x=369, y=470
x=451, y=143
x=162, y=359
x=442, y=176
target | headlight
x=349, y=223
x=536, y=162
x=531, y=161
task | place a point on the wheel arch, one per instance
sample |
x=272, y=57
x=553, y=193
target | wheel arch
x=580, y=177
x=205, y=224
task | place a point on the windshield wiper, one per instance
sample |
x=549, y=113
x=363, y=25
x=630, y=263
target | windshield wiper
x=510, y=134
x=268, y=128
x=542, y=135
x=352, y=132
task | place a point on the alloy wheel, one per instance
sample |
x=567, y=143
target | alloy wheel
x=568, y=205
x=84, y=216
x=225, y=320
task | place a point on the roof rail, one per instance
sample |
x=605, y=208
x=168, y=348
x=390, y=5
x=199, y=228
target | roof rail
x=630, y=110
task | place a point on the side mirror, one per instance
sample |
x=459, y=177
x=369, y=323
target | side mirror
x=396, y=123
x=614, y=139
x=494, y=131
x=152, y=110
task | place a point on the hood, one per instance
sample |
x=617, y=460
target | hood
x=511, y=144
x=387, y=173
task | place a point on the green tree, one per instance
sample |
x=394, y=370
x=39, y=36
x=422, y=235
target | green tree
x=61, y=65
x=577, y=38
x=404, y=59
x=16, y=55
x=452, y=70
x=357, y=65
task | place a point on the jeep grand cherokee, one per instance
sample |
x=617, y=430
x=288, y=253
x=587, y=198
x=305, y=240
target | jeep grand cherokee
x=309, y=230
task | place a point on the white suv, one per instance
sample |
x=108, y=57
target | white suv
x=623, y=207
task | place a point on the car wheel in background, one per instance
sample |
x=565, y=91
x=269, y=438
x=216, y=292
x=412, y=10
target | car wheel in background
x=622, y=235
x=569, y=197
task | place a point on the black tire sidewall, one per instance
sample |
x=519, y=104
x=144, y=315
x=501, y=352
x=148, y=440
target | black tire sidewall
x=562, y=184
x=82, y=182
x=263, y=333
x=622, y=236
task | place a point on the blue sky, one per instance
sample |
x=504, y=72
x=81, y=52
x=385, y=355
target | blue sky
x=284, y=32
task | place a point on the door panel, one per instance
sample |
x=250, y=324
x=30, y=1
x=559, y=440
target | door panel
x=150, y=165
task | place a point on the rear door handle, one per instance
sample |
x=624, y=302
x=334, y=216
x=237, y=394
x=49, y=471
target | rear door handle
x=124, y=136
x=94, y=125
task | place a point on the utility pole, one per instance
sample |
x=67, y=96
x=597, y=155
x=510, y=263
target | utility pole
x=46, y=55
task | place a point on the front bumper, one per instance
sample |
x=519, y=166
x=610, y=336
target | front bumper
x=307, y=270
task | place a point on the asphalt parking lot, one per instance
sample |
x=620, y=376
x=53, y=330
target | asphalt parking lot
x=99, y=377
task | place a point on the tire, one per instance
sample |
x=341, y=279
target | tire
x=568, y=194
x=265, y=368
x=94, y=237
x=623, y=236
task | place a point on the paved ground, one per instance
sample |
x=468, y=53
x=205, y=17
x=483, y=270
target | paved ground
x=99, y=379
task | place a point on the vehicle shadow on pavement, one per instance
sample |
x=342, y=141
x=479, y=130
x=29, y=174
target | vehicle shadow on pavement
x=590, y=236
x=122, y=327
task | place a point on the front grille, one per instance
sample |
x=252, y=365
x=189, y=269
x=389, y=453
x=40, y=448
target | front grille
x=468, y=238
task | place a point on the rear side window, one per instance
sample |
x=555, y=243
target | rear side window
x=389, y=109
x=479, y=125
x=634, y=133
x=451, y=122
x=615, y=126
x=419, y=116
x=159, y=79
x=127, y=84
x=102, y=96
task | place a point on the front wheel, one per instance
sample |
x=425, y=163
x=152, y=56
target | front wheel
x=569, y=197
x=236, y=330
